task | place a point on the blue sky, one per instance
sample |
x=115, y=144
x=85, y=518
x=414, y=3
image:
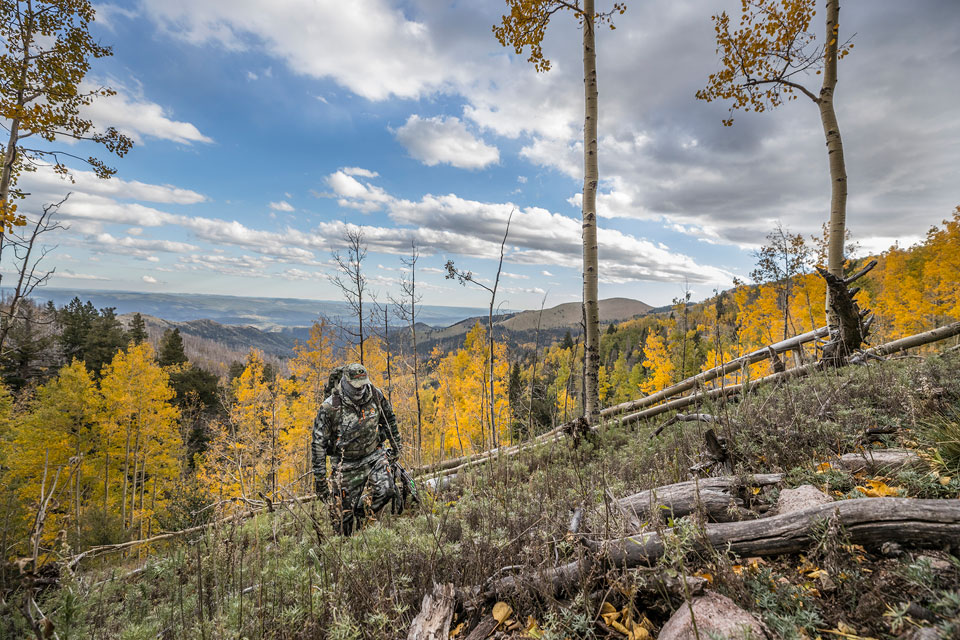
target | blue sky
x=263, y=127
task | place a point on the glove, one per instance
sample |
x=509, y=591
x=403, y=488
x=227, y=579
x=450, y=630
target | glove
x=321, y=489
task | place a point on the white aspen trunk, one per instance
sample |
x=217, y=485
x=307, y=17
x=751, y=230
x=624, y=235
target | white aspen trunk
x=126, y=471
x=590, y=179
x=838, y=172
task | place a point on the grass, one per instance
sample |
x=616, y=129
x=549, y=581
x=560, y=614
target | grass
x=271, y=577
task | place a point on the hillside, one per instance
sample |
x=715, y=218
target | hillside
x=291, y=578
x=268, y=314
x=563, y=317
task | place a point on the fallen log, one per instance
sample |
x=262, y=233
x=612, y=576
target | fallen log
x=865, y=521
x=918, y=340
x=715, y=496
x=881, y=460
x=436, y=613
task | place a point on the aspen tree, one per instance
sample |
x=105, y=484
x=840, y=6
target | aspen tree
x=140, y=428
x=525, y=27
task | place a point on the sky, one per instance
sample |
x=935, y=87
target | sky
x=263, y=128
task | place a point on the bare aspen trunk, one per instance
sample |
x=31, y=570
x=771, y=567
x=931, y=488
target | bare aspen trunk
x=590, y=179
x=831, y=131
x=126, y=472
x=494, y=439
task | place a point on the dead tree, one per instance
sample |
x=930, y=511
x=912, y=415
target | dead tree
x=28, y=254
x=381, y=312
x=350, y=279
x=852, y=323
x=463, y=277
x=407, y=309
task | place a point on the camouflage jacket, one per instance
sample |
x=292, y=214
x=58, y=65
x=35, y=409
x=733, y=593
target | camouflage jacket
x=349, y=433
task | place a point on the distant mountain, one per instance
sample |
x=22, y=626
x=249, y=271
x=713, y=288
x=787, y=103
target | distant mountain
x=519, y=330
x=269, y=314
x=563, y=316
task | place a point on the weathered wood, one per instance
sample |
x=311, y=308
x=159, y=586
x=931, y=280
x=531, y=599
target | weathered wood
x=715, y=496
x=851, y=330
x=436, y=613
x=865, y=521
x=918, y=340
x=880, y=460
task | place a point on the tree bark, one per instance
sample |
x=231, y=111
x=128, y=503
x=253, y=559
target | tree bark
x=436, y=614
x=714, y=495
x=831, y=131
x=591, y=177
x=865, y=521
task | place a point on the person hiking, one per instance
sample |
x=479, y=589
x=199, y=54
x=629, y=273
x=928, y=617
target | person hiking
x=353, y=424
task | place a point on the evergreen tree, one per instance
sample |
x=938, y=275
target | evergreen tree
x=27, y=356
x=514, y=397
x=567, y=341
x=105, y=337
x=75, y=320
x=138, y=329
x=171, y=349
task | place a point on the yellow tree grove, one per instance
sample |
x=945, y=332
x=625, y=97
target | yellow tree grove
x=59, y=454
x=141, y=435
x=262, y=447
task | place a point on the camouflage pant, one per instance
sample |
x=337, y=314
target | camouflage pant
x=360, y=490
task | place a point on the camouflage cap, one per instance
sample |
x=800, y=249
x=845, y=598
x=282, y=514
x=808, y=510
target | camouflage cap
x=356, y=375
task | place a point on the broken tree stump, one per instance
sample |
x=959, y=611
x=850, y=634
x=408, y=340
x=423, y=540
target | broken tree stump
x=436, y=613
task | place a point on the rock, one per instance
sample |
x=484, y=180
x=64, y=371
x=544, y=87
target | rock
x=802, y=497
x=925, y=633
x=891, y=549
x=937, y=565
x=715, y=615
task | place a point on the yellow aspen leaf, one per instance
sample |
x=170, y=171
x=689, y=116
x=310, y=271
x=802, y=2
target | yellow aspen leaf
x=619, y=627
x=533, y=629
x=706, y=576
x=502, y=611
x=878, y=489
x=823, y=467
x=945, y=480
x=639, y=633
x=457, y=630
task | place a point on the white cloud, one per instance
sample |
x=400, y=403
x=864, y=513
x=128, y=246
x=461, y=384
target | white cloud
x=107, y=15
x=131, y=113
x=252, y=76
x=72, y=275
x=445, y=140
x=149, y=279
x=515, y=276
x=358, y=171
x=283, y=205
x=546, y=273
x=367, y=46
x=47, y=183
x=141, y=247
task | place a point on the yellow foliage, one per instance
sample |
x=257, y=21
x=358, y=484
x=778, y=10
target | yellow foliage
x=141, y=435
x=658, y=363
